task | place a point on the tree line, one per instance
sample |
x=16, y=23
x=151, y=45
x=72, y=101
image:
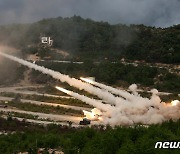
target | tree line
x=118, y=140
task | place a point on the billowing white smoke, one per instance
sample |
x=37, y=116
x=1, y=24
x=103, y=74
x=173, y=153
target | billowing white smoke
x=93, y=115
x=151, y=112
x=137, y=109
x=128, y=109
x=103, y=94
x=133, y=88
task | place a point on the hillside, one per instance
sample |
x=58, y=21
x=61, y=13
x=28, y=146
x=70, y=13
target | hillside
x=87, y=39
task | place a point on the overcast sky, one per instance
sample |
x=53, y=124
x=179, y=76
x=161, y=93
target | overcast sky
x=161, y=13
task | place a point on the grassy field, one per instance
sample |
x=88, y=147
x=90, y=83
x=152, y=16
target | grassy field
x=45, y=109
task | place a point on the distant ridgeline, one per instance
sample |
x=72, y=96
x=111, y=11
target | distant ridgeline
x=89, y=39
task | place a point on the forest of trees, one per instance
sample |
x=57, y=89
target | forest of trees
x=120, y=140
x=89, y=39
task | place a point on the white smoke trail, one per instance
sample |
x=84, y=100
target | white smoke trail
x=96, y=103
x=129, y=97
x=121, y=93
x=103, y=94
x=131, y=110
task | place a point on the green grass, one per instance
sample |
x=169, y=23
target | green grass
x=45, y=109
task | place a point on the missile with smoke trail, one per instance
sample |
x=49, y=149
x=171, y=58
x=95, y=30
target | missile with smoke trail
x=96, y=103
x=126, y=95
x=101, y=112
x=104, y=95
x=133, y=110
x=121, y=93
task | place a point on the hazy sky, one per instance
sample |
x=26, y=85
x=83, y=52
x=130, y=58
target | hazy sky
x=149, y=12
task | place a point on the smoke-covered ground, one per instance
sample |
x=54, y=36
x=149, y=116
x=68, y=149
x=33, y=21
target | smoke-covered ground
x=116, y=107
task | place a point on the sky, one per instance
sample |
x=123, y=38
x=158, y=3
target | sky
x=159, y=13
